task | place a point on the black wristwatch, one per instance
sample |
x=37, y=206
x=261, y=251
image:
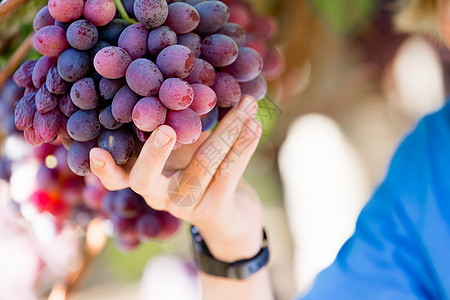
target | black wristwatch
x=241, y=269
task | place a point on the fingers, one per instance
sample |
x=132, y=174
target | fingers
x=233, y=166
x=151, y=160
x=210, y=154
x=104, y=167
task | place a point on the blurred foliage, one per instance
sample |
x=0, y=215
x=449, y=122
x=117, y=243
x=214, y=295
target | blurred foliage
x=345, y=16
x=15, y=27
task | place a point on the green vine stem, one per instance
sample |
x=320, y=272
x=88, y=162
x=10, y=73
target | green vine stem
x=123, y=12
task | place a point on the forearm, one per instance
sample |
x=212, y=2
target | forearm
x=256, y=287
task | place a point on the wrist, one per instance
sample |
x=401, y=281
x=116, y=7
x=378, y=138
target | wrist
x=231, y=248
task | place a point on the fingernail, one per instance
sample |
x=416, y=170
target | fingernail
x=98, y=164
x=161, y=139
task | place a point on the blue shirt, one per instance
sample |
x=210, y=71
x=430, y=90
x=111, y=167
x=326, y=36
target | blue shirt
x=401, y=245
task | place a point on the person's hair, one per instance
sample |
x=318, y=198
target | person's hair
x=417, y=16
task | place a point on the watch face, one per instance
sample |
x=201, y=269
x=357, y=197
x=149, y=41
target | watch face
x=241, y=269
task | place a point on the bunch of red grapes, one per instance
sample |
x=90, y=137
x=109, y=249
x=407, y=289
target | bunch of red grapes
x=102, y=82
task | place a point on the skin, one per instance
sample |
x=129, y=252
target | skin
x=228, y=214
x=443, y=15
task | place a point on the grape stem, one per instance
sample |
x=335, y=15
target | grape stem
x=123, y=13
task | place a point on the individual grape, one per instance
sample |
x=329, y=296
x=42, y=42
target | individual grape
x=186, y=124
x=107, y=120
x=23, y=76
x=99, y=12
x=97, y=47
x=257, y=43
x=62, y=24
x=41, y=69
x=176, y=94
x=63, y=133
x=257, y=88
x=82, y=35
x=169, y=225
x=127, y=243
x=129, y=4
x=73, y=65
x=234, y=31
x=128, y=204
x=71, y=187
x=112, y=62
x=54, y=83
x=66, y=10
x=119, y=143
x=267, y=27
x=273, y=64
x=109, y=87
x=148, y=226
x=203, y=73
x=247, y=66
x=108, y=202
x=50, y=40
x=160, y=38
x=24, y=112
x=66, y=105
x=149, y=113
x=192, y=41
x=134, y=40
x=210, y=119
x=42, y=19
x=93, y=197
x=219, y=50
x=84, y=94
x=227, y=90
x=241, y=15
x=213, y=15
x=11, y=93
x=182, y=17
x=45, y=101
x=78, y=157
x=151, y=13
x=31, y=137
x=204, y=99
x=110, y=32
x=47, y=125
x=144, y=77
x=176, y=61
x=122, y=225
x=47, y=179
x=83, y=125
x=123, y=104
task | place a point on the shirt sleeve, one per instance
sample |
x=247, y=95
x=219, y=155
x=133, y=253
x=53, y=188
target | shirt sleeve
x=396, y=249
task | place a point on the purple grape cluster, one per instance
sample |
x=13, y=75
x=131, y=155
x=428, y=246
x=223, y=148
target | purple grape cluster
x=102, y=82
x=66, y=197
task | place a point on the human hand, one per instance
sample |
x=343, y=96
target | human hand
x=209, y=192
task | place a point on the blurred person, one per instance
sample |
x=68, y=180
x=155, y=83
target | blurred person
x=401, y=245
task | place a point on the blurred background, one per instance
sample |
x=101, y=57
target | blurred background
x=345, y=89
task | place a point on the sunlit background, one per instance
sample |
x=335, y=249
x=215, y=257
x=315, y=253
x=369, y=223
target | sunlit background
x=351, y=89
